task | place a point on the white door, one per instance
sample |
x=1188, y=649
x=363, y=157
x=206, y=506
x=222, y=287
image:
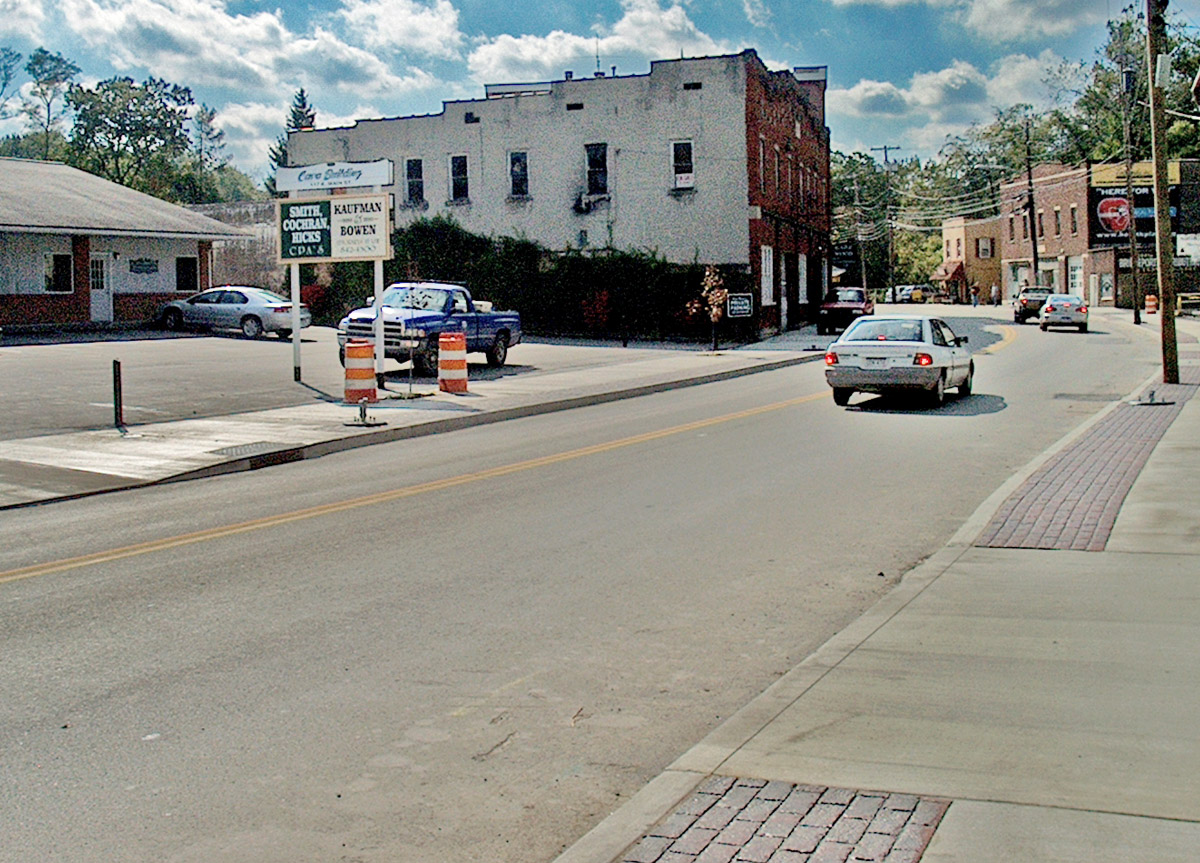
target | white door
x=102, y=298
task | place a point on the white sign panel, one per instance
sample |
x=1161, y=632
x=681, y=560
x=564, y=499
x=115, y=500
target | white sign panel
x=333, y=175
x=337, y=228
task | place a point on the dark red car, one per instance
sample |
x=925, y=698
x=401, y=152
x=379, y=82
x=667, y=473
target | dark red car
x=841, y=308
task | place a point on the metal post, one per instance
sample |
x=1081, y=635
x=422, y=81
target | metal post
x=296, y=322
x=1155, y=38
x=118, y=397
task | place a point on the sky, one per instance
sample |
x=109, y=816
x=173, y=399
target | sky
x=902, y=73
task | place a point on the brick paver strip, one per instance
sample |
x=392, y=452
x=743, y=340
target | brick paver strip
x=1072, y=501
x=723, y=822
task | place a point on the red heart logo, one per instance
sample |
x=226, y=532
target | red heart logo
x=1114, y=214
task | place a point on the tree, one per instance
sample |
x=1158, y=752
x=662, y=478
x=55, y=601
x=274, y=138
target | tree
x=52, y=75
x=131, y=133
x=301, y=116
x=9, y=61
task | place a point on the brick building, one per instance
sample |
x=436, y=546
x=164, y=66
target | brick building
x=75, y=248
x=1080, y=219
x=711, y=159
x=970, y=257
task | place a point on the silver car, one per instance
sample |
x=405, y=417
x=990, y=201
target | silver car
x=899, y=353
x=1063, y=310
x=254, y=311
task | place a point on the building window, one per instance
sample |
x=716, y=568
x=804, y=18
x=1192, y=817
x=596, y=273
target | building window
x=1025, y=226
x=470, y=117
x=97, y=274
x=1074, y=220
x=187, y=275
x=983, y=247
x=1041, y=225
x=1012, y=228
x=597, y=169
x=415, y=173
x=58, y=274
x=776, y=170
x=762, y=164
x=767, y=278
x=574, y=106
x=518, y=174
x=947, y=255
x=459, y=190
x=1057, y=222
x=693, y=85
x=958, y=248
x=681, y=163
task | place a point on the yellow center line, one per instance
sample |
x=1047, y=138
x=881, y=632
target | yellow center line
x=211, y=533
x=1007, y=336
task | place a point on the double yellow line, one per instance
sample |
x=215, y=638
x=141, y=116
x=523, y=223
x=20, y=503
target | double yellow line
x=212, y=533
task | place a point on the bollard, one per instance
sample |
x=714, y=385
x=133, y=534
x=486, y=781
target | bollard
x=452, y=362
x=360, y=372
x=118, y=397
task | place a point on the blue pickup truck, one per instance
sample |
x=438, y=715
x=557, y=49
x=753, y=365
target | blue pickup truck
x=416, y=313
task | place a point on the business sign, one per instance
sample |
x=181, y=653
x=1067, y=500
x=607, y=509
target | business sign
x=333, y=175
x=1109, y=214
x=338, y=228
x=740, y=305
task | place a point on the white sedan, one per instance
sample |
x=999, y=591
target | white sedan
x=899, y=353
x=1063, y=310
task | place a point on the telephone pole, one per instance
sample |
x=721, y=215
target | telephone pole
x=1032, y=215
x=887, y=211
x=1159, y=68
x=858, y=239
x=1128, y=79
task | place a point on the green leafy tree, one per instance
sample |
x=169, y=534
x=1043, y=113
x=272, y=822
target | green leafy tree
x=301, y=116
x=131, y=133
x=10, y=61
x=44, y=106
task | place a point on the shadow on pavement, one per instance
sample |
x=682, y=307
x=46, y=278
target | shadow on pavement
x=976, y=404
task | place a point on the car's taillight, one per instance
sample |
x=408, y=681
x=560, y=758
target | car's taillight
x=1024, y=301
x=831, y=359
x=922, y=360
x=278, y=308
x=1083, y=310
x=1049, y=307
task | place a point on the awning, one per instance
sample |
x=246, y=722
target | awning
x=948, y=271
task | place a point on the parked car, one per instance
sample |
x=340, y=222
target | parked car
x=415, y=314
x=254, y=311
x=841, y=307
x=890, y=354
x=1028, y=302
x=1063, y=310
x=912, y=293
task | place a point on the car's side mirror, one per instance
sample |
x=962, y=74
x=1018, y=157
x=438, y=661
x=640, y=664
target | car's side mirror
x=962, y=340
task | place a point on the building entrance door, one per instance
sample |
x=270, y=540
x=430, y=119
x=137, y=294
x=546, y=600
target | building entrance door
x=102, y=298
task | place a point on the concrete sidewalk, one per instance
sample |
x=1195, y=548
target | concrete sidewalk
x=1011, y=699
x=50, y=467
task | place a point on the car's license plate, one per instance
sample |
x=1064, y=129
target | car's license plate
x=874, y=362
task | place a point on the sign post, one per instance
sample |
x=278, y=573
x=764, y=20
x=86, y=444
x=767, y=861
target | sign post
x=337, y=227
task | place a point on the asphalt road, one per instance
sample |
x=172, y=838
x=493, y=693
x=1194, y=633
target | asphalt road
x=474, y=646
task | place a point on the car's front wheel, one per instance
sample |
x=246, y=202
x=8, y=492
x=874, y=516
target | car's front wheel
x=252, y=327
x=841, y=396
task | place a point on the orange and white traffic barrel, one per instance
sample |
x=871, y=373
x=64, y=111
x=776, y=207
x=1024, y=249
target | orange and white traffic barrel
x=1151, y=304
x=452, y=362
x=360, y=372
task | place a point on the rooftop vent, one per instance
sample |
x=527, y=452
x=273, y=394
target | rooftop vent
x=569, y=74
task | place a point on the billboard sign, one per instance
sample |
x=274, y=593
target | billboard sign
x=1109, y=214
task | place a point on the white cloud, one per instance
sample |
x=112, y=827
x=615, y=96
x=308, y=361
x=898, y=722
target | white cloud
x=757, y=12
x=1009, y=19
x=405, y=25
x=645, y=30
x=200, y=43
x=947, y=101
x=22, y=18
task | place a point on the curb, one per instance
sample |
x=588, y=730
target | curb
x=343, y=444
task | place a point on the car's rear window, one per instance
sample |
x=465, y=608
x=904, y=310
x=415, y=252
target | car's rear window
x=885, y=331
x=846, y=295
